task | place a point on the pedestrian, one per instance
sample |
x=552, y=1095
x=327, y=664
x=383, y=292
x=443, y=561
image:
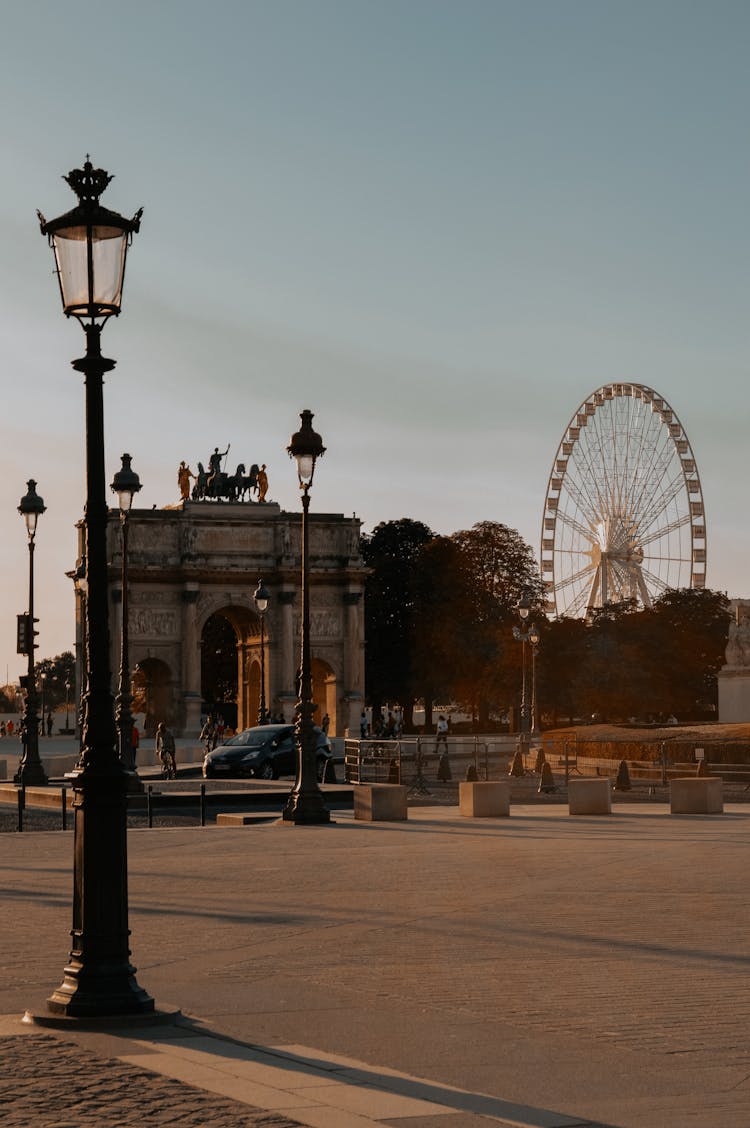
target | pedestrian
x=442, y=734
x=165, y=750
x=219, y=732
x=2, y=728
x=324, y=724
x=362, y=725
x=135, y=740
x=49, y=724
x=9, y=728
x=207, y=733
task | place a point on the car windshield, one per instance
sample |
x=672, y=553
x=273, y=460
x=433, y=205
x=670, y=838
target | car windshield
x=254, y=738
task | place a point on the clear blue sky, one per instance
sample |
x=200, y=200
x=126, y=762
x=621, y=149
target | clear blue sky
x=437, y=225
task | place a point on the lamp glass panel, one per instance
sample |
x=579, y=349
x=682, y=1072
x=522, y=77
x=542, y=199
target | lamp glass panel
x=109, y=246
x=30, y=519
x=305, y=466
x=124, y=500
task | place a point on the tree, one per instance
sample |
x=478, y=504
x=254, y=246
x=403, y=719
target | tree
x=651, y=663
x=467, y=590
x=392, y=553
x=57, y=671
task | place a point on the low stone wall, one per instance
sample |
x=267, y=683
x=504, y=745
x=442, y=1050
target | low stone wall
x=678, y=751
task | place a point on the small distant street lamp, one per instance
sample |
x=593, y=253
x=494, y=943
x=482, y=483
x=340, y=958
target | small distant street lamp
x=43, y=679
x=31, y=771
x=126, y=485
x=261, y=598
x=523, y=636
x=534, y=637
x=90, y=245
x=67, y=704
x=305, y=803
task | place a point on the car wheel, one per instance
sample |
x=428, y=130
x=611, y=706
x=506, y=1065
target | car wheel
x=266, y=771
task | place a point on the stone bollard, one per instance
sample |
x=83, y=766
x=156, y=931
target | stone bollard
x=589, y=796
x=517, y=768
x=485, y=799
x=547, y=783
x=622, y=783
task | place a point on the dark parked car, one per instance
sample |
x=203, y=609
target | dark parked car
x=265, y=752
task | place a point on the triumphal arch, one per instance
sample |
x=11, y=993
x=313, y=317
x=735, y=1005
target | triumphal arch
x=194, y=630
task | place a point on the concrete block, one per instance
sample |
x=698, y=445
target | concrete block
x=696, y=795
x=239, y=818
x=380, y=802
x=589, y=797
x=484, y=799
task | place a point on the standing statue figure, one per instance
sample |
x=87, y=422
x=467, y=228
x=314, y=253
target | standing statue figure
x=201, y=481
x=184, y=474
x=214, y=470
x=262, y=483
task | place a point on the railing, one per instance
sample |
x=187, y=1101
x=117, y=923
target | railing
x=402, y=761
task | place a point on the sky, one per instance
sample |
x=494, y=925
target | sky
x=437, y=225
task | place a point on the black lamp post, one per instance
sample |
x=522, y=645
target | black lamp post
x=43, y=680
x=31, y=771
x=305, y=803
x=67, y=704
x=90, y=245
x=261, y=598
x=126, y=485
x=534, y=640
x=524, y=608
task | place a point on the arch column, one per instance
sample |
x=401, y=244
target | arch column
x=352, y=697
x=191, y=662
x=286, y=660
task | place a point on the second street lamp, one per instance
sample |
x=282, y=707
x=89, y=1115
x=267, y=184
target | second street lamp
x=90, y=246
x=522, y=636
x=261, y=598
x=305, y=804
x=534, y=640
x=31, y=770
x=126, y=485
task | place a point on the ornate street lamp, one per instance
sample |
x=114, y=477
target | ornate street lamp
x=261, y=598
x=534, y=640
x=31, y=771
x=305, y=803
x=67, y=704
x=90, y=245
x=126, y=485
x=524, y=609
x=43, y=679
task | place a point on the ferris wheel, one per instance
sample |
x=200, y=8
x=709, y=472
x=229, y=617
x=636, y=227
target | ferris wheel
x=624, y=516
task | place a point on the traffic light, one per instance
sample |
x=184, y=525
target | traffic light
x=25, y=634
x=22, y=634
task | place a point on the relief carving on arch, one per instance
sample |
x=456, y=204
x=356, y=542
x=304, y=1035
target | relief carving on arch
x=323, y=624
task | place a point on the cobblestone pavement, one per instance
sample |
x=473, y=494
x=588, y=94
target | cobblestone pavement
x=47, y=1083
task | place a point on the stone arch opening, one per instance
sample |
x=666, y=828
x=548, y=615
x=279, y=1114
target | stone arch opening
x=324, y=692
x=230, y=665
x=153, y=694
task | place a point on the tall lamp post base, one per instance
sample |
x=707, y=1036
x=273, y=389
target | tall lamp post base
x=306, y=809
x=99, y=979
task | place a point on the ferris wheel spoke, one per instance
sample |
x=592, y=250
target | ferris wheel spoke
x=655, y=581
x=668, y=495
x=665, y=530
x=576, y=526
x=575, y=577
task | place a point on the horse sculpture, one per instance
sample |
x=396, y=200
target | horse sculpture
x=225, y=487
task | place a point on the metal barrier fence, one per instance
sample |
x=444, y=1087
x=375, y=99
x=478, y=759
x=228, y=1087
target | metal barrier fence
x=418, y=757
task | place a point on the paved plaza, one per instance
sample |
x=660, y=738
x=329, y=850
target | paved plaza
x=539, y=970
